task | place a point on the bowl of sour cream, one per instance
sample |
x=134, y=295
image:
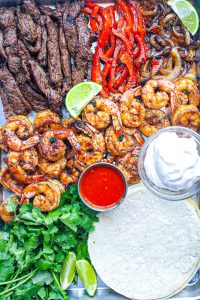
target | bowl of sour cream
x=169, y=163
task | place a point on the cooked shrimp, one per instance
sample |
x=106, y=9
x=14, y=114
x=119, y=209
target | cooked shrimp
x=52, y=168
x=123, y=142
x=128, y=164
x=45, y=120
x=92, y=144
x=132, y=111
x=186, y=92
x=5, y=215
x=27, y=159
x=99, y=113
x=157, y=99
x=18, y=133
x=73, y=170
x=45, y=195
x=109, y=158
x=50, y=147
x=187, y=116
x=69, y=123
x=2, y=146
x=20, y=162
x=154, y=120
x=11, y=184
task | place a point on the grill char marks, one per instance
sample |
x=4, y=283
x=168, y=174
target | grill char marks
x=54, y=64
x=65, y=60
x=27, y=27
x=3, y=56
x=83, y=54
x=43, y=52
x=19, y=104
x=42, y=55
x=42, y=82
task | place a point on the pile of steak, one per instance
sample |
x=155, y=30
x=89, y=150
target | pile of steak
x=43, y=53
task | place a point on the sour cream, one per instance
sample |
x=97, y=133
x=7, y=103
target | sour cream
x=172, y=162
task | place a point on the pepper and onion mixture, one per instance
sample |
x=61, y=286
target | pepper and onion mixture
x=121, y=47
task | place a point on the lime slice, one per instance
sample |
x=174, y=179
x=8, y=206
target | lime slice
x=87, y=276
x=68, y=270
x=80, y=95
x=187, y=13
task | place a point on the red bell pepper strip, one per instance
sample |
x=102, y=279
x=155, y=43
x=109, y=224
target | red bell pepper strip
x=155, y=62
x=109, y=52
x=141, y=25
x=106, y=70
x=134, y=16
x=126, y=59
x=126, y=41
x=121, y=78
x=94, y=19
x=127, y=15
x=111, y=81
x=142, y=56
x=96, y=67
x=107, y=25
x=90, y=4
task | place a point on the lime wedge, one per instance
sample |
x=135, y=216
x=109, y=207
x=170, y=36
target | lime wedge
x=87, y=276
x=80, y=95
x=68, y=270
x=187, y=13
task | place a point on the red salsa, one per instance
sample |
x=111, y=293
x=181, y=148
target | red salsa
x=102, y=186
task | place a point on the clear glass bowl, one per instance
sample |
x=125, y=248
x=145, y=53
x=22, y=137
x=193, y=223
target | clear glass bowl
x=161, y=192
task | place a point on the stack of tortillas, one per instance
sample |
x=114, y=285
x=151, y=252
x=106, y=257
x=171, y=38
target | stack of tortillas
x=147, y=248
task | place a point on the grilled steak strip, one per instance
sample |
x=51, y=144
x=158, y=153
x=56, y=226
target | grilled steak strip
x=38, y=102
x=7, y=106
x=51, y=12
x=7, y=18
x=30, y=7
x=65, y=60
x=35, y=48
x=3, y=55
x=41, y=80
x=42, y=55
x=83, y=54
x=70, y=33
x=54, y=64
x=27, y=27
x=19, y=104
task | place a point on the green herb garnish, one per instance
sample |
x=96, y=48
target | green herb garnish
x=34, y=246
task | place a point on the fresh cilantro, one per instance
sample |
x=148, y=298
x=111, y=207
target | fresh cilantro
x=34, y=246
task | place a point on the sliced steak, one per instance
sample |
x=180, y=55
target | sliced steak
x=7, y=106
x=51, y=12
x=71, y=7
x=10, y=36
x=83, y=53
x=42, y=55
x=38, y=102
x=42, y=82
x=65, y=60
x=71, y=34
x=3, y=56
x=54, y=64
x=37, y=45
x=7, y=18
x=27, y=27
x=19, y=104
x=31, y=8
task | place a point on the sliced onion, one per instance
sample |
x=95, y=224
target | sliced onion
x=168, y=18
x=166, y=67
x=187, y=37
x=192, y=73
x=156, y=68
x=178, y=65
x=153, y=41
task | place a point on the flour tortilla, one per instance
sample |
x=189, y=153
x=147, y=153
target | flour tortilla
x=147, y=248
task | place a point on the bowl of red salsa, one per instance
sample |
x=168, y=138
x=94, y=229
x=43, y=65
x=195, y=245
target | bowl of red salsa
x=102, y=186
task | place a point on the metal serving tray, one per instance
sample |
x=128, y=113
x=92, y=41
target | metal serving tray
x=77, y=292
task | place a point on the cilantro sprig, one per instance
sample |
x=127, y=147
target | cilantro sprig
x=34, y=246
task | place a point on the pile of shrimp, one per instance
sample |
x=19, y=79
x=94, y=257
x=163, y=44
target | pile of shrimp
x=47, y=156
